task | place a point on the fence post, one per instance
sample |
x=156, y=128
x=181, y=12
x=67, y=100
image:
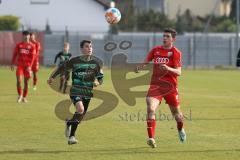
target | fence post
x=190, y=51
x=150, y=43
x=207, y=55
x=194, y=51
x=231, y=51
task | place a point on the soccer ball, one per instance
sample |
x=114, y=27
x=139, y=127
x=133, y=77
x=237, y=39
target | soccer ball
x=113, y=15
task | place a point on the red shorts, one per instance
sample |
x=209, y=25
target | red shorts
x=35, y=66
x=23, y=71
x=170, y=95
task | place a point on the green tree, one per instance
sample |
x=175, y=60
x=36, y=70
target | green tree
x=226, y=25
x=188, y=22
x=128, y=20
x=9, y=22
x=180, y=26
x=233, y=10
x=220, y=24
x=153, y=21
x=48, y=28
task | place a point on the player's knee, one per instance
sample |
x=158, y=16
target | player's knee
x=151, y=109
x=19, y=80
x=178, y=117
x=79, y=108
x=151, y=115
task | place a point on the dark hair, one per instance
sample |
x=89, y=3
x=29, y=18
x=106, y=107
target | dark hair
x=172, y=31
x=31, y=33
x=25, y=32
x=83, y=42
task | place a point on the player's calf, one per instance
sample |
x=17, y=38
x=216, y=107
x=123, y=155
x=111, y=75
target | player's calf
x=181, y=132
x=67, y=129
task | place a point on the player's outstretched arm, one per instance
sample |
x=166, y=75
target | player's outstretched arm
x=141, y=66
x=56, y=57
x=61, y=69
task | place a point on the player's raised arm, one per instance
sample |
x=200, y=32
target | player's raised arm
x=56, y=57
x=146, y=61
x=61, y=69
x=141, y=65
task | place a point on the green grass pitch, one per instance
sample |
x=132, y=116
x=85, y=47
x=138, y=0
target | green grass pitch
x=210, y=100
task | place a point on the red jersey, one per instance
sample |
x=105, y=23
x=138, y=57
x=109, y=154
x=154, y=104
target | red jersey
x=23, y=54
x=170, y=57
x=37, y=50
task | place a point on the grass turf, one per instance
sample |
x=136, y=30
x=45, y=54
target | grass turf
x=210, y=100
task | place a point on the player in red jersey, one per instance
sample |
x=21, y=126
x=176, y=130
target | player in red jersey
x=35, y=66
x=23, y=57
x=166, y=68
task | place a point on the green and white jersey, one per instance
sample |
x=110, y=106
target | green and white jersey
x=85, y=70
x=63, y=57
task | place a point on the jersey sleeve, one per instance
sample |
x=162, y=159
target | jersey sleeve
x=99, y=71
x=177, y=59
x=100, y=75
x=56, y=57
x=39, y=47
x=64, y=67
x=15, y=53
x=32, y=55
x=150, y=55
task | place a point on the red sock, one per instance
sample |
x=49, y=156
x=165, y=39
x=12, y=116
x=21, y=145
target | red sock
x=180, y=125
x=151, y=125
x=25, y=92
x=19, y=90
x=34, y=81
x=154, y=126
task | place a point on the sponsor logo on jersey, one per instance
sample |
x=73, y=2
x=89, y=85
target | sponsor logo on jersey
x=24, y=51
x=92, y=66
x=170, y=54
x=162, y=60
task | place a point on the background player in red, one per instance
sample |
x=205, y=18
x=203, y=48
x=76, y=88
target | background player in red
x=166, y=67
x=23, y=57
x=35, y=66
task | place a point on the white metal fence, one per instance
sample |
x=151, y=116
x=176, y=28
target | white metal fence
x=198, y=50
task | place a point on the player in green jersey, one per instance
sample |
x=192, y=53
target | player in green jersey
x=86, y=74
x=63, y=56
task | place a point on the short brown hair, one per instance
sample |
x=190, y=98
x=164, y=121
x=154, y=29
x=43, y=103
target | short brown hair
x=31, y=33
x=83, y=42
x=172, y=31
x=26, y=32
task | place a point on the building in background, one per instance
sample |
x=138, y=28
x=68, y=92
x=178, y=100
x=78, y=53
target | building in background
x=146, y=5
x=77, y=15
x=197, y=7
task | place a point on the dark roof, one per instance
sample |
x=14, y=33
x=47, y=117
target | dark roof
x=104, y=3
